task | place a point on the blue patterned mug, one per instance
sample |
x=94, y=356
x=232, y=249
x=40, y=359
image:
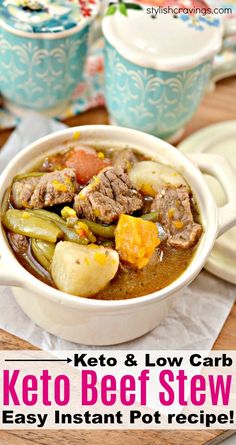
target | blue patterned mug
x=43, y=49
x=157, y=68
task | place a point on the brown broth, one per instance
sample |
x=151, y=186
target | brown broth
x=130, y=283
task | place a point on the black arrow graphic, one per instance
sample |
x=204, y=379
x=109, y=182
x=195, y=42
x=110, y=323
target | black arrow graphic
x=67, y=360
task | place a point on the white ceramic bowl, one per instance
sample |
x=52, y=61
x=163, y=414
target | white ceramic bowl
x=95, y=322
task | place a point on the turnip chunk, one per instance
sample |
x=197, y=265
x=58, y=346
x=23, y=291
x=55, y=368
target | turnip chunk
x=83, y=270
x=149, y=176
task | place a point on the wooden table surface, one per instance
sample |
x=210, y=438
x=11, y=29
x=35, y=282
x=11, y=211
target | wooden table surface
x=217, y=106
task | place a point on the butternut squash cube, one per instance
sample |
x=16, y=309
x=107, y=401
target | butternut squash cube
x=136, y=240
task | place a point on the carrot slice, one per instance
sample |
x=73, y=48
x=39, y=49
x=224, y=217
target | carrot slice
x=86, y=164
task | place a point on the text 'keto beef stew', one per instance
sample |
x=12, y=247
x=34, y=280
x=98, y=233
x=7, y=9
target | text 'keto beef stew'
x=102, y=223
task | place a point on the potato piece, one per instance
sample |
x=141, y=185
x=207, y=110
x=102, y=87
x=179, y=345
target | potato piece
x=136, y=240
x=83, y=270
x=149, y=176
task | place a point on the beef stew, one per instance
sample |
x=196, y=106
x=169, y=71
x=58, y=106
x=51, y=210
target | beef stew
x=103, y=224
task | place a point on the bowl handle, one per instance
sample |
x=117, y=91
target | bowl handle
x=219, y=167
x=8, y=277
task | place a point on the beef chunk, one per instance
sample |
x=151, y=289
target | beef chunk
x=124, y=159
x=18, y=242
x=108, y=195
x=174, y=207
x=43, y=191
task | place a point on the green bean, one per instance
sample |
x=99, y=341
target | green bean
x=69, y=233
x=153, y=216
x=24, y=223
x=100, y=229
x=96, y=229
x=46, y=214
x=43, y=252
x=27, y=175
x=34, y=267
x=47, y=248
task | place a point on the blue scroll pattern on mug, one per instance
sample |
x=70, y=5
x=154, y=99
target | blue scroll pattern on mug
x=41, y=72
x=154, y=101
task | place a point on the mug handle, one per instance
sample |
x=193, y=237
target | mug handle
x=7, y=276
x=219, y=167
x=222, y=70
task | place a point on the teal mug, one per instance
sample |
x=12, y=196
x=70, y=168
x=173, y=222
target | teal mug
x=40, y=66
x=153, y=101
x=156, y=72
